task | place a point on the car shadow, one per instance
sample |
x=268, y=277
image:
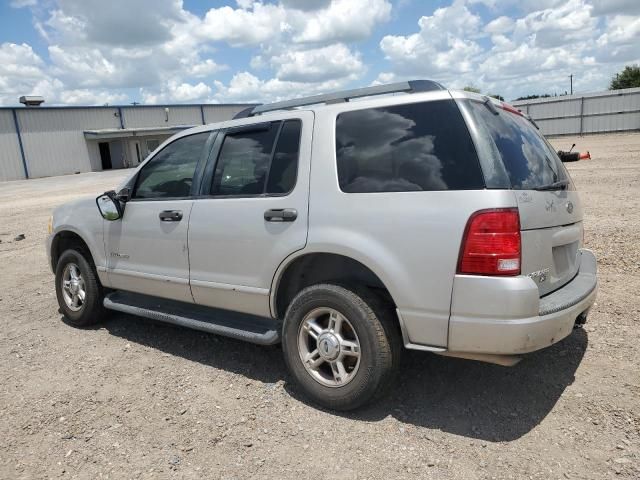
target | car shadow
x=472, y=399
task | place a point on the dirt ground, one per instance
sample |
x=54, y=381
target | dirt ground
x=137, y=399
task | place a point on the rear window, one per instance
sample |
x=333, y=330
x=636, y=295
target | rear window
x=414, y=147
x=528, y=160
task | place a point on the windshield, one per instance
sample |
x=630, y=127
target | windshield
x=528, y=160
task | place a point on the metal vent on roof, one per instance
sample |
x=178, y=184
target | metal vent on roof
x=31, y=100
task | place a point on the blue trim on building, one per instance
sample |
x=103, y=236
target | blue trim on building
x=121, y=117
x=24, y=158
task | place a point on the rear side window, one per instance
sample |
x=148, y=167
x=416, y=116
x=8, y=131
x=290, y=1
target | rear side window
x=258, y=162
x=284, y=167
x=528, y=159
x=414, y=147
x=170, y=172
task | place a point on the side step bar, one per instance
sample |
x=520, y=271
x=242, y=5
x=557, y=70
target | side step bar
x=249, y=328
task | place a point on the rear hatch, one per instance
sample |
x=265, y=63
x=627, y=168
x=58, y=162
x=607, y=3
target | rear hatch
x=515, y=155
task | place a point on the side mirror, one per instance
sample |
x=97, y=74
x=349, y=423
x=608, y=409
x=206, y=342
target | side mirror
x=109, y=206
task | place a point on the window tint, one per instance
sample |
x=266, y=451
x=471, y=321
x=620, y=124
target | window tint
x=420, y=146
x=170, y=172
x=528, y=159
x=243, y=162
x=284, y=167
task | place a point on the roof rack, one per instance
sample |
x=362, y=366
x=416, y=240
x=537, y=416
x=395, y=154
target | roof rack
x=411, y=86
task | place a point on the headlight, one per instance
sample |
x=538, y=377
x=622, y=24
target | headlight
x=50, y=226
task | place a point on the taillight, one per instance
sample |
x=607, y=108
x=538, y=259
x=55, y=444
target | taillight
x=491, y=243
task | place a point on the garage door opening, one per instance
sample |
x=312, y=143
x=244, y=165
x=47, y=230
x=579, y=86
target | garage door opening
x=105, y=155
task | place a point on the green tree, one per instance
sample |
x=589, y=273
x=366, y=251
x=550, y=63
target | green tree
x=471, y=88
x=627, y=78
x=531, y=97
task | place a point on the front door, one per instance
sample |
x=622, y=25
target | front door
x=254, y=214
x=147, y=249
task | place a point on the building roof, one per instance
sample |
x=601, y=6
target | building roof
x=167, y=105
x=133, y=132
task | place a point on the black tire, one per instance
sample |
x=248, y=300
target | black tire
x=379, y=338
x=92, y=310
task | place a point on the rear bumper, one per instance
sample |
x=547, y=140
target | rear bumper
x=505, y=315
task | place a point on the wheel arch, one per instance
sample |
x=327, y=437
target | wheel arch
x=309, y=268
x=65, y=239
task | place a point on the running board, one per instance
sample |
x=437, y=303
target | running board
x=249, y=328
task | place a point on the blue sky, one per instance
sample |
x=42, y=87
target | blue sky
x=164, y=51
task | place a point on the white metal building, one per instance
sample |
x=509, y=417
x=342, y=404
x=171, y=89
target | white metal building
x=601, y=112
x=45, y=141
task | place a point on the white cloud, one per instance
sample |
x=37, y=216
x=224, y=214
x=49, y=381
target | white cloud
x=23, y=3
x=443, y=46
x=91, y=97
x=205, y=68
x=116, y=22
x=306, y=5
x=531, y=52
x=623, y=30
x=318, y=65
x=174, y=91
x=616, y=7
x=285, y=48
x=245, y=87
x=21, y=72
x=343, y=20
x=558, y=26
x=501, y=24
x=240, y=27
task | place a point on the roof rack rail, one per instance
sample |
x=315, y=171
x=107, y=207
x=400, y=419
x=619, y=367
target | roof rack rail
x=411, y=86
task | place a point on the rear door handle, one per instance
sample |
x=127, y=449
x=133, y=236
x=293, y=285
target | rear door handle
x=281, y=215
x=170, y=215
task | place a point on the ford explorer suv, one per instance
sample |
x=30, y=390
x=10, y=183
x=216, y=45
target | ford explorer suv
x=345, y=227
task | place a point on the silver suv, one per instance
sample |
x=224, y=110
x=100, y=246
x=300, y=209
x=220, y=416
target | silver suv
x=343, y=226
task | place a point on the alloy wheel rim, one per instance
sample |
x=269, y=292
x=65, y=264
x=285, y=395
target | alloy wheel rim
x=329, y=347
x=73, y=287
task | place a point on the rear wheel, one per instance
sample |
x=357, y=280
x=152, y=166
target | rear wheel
x=341, y=345
x=80, y=294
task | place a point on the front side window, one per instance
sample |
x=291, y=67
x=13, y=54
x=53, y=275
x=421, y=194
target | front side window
x=413, y=147
x=169, y=173
x=258, y=161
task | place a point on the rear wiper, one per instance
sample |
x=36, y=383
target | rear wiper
x=559, y=185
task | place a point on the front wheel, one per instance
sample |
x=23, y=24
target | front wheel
x=341, y=345
x=80, y=294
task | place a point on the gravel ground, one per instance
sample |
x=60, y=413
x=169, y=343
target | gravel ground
x=136, y=399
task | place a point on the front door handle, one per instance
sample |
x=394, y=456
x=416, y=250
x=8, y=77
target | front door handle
x=170, y=215
x=281, y=215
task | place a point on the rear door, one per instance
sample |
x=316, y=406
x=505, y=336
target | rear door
x=550, y=210
x=252, y=212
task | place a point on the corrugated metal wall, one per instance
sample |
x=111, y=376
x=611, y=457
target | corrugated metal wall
x=219, y=113
x=136, y=117
x=11, y=167
x=610, y=111
x=53, y=137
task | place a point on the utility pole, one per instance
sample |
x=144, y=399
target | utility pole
x=571, y=81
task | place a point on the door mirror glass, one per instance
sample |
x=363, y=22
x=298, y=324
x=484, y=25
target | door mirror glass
x=109, y=206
